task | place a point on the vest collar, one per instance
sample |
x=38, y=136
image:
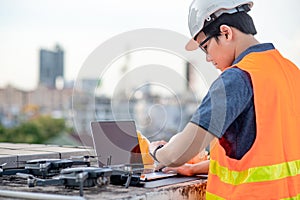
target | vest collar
x=254, y=48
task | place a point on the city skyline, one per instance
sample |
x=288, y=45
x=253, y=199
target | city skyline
x=79, y=28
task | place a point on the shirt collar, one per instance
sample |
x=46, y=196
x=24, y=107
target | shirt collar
x=255, y=48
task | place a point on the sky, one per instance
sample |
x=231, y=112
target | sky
x=81, y=26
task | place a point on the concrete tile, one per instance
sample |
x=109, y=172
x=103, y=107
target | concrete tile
x=66, y=152
x=18, y=145
x=18, y=158
x=16, y=155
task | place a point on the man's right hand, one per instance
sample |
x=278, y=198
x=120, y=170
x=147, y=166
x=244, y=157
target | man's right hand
x=185, y=170
x=189, y=169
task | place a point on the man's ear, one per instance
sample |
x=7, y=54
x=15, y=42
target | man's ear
x=227, y=31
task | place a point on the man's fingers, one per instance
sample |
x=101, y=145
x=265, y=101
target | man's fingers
x=169, y=170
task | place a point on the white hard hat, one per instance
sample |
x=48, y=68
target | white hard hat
x=209, y=10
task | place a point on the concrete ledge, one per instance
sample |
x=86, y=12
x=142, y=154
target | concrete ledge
x=15, y=155
x=193, y=190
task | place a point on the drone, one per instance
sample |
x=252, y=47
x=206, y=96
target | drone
x=45, y=167
x=126, y=174
x=78, y=177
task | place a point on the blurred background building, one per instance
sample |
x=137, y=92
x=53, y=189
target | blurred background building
x=51, y=66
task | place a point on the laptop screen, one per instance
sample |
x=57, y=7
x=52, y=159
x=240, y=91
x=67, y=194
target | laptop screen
x=116, y=142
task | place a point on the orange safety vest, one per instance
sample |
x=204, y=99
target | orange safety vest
x=271, y=168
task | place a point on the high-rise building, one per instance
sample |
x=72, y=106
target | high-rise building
x=51, y=66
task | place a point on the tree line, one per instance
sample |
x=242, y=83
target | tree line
x=36, y=131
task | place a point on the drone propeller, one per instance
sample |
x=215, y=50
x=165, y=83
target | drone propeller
x=34, y=181
x=83, y=157
x=27, y=176
x=2, y=165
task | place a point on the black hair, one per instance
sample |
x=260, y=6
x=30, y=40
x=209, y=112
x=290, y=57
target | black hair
x=239, y=20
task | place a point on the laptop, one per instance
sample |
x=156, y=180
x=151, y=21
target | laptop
x=116, y=144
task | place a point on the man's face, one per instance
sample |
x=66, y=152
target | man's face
x=220, y=53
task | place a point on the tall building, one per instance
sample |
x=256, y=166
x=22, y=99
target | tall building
x=51, y=66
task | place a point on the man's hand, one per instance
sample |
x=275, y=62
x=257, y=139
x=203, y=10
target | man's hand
x=189, y=169
x=186, y=170
x=154, y=145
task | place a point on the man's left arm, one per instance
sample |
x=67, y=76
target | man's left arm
x=183, y=146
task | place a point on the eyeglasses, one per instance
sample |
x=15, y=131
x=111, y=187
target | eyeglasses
x=204, y=48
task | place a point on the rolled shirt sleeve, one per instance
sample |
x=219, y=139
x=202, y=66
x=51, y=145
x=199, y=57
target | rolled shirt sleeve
x=226, y=99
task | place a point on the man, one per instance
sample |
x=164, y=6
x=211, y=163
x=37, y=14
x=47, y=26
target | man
x=252, y=109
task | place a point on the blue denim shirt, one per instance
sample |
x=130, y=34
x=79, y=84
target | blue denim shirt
x=227, y=111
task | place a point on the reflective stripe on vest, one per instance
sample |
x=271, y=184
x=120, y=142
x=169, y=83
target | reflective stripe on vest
x=253, y=191
x=271, y=168
x=293, y=198
x=258, y=174
x=213, y=196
